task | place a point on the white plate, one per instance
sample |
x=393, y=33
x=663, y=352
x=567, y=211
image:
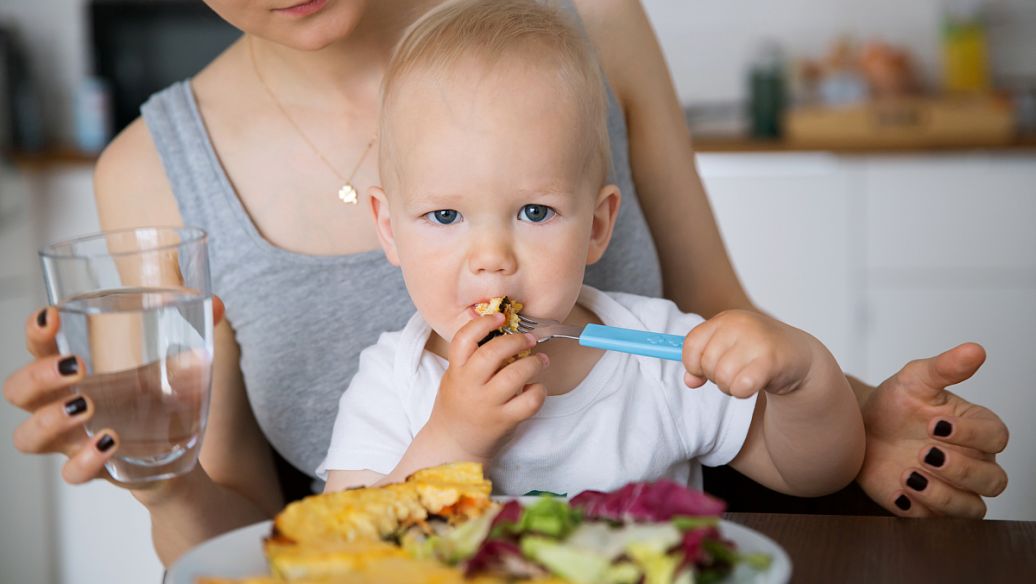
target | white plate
x=236, y=554
x=239, y=554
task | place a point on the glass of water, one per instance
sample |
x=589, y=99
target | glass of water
x=136, y=307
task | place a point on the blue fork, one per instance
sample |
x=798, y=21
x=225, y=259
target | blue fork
x=610, y=338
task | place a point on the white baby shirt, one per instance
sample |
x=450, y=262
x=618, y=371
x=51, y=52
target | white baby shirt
x=631, y=419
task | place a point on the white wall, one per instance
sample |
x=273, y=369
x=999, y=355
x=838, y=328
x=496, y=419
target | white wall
x=708, y=43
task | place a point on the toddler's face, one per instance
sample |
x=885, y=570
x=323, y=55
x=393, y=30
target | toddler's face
x=487, y=193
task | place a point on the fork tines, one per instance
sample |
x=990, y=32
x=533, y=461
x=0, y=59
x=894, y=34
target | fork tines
x=525, y=324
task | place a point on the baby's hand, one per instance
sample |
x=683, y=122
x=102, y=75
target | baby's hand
x=745, y=352
x=481, y=397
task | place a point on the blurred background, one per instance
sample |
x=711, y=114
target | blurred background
x=872, y=166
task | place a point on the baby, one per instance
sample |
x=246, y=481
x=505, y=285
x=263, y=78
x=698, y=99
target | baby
x=494, y=160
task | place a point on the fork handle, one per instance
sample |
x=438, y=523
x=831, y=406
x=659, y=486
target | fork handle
x=632, y=341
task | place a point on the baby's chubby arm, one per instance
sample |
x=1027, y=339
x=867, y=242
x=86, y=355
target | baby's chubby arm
x=481, y=400
x=806, y=437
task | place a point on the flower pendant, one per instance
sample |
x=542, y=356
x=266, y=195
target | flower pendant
x=348, y=194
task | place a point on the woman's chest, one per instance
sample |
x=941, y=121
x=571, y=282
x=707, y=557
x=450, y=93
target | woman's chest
x=289, y=184
x=301, y=212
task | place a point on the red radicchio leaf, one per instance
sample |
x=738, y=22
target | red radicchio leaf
x=691, y=546
x=504, y=558
x=657, y=501
x=511, y=512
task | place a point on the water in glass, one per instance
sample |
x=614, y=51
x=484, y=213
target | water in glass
x=148, y=353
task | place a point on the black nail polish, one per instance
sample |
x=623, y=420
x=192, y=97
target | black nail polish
x=935, y=457
x=903, y=503
x=41, y=318
x=943, y=429
x=105, y=443
x=68, y=366
x=917, y=482
x=76, y=406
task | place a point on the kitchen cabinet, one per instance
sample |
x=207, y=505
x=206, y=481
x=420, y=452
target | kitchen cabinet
x=24, y=551
x=951, y=257
x=919, y=321
x=27, y=514
x=789, y=223
x=67, y=534
x=965, y=214
x=889, y=259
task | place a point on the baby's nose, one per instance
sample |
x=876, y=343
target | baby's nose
x=492, y=253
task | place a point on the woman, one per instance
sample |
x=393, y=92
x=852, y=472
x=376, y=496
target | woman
x=266, y=147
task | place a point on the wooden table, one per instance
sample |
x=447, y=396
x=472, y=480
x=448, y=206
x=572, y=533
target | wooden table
x=833, y=548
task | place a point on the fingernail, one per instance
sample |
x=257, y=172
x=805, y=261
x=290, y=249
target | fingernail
x=917, y=482
x=68, y=366
x=41, y=318
x=76, y=406
x=935, y=457
x=943, y=429
x=105, y=443
x=531, y=338
x=903, y=503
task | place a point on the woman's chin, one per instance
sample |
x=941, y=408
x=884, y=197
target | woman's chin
x=325, y=29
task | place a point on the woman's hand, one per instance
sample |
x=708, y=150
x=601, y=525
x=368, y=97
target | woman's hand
x=482, y=397
x=43, y=388
x=930, y=452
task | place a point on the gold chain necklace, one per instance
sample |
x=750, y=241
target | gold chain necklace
x=347, y=193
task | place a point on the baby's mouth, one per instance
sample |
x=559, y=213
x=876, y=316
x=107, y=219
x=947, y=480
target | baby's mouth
x=505, y=305
x=483, y=302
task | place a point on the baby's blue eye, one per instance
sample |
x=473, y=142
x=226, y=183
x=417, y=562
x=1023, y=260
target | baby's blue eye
x=443, y=216
x=536, y=213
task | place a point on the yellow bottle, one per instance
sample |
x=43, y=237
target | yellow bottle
x=965, y=56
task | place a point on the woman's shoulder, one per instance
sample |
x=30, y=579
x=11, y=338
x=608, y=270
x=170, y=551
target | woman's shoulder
x=622, y=37
x=130, y=184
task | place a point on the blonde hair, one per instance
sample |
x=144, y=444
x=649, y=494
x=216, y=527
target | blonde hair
x=489, y=30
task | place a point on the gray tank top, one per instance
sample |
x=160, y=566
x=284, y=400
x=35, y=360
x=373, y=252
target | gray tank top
x=301, y=320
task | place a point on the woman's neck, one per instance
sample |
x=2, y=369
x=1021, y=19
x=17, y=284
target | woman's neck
x=344, y=77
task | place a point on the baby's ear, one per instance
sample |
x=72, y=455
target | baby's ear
x=605, y=213
x=383, y=223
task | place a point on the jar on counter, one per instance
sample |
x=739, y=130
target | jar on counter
x=767, y=92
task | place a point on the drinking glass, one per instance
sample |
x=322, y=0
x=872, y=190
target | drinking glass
x=136, y=307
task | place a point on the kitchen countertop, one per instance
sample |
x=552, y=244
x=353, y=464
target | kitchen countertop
x=703, y=144
x=713, y=144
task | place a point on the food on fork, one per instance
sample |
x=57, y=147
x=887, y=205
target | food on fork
x=441, y=527
x=505, y=305
x=510, y=309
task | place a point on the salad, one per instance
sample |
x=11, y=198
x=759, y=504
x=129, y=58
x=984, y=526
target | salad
x=655, y=533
